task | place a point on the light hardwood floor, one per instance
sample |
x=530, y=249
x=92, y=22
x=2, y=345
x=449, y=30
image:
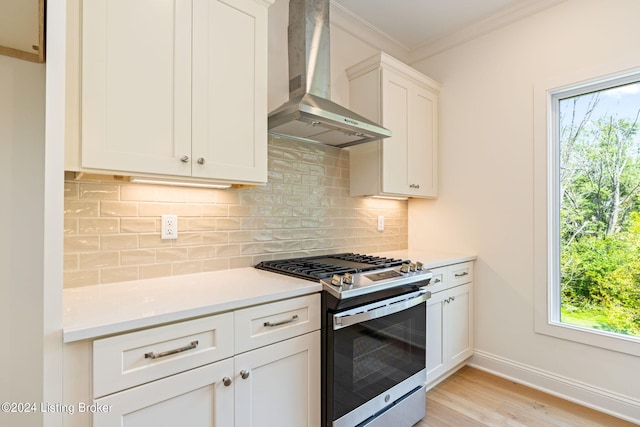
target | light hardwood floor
x=473, y=398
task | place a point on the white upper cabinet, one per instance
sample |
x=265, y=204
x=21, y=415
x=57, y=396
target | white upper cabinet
x=404, y=101
x=174, y=88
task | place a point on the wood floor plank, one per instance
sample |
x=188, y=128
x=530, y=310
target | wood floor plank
x=439, y=415
x=473, y=398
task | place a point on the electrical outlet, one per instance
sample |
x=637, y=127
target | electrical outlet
x=169, y=227
x=380, y=223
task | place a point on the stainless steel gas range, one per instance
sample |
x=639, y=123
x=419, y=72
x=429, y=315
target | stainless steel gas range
x=373, y=336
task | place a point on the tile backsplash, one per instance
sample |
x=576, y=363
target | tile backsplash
x=112, y=229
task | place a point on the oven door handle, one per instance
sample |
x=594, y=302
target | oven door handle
x=344, y=320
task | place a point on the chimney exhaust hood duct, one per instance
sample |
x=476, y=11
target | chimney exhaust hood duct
x=309, y=115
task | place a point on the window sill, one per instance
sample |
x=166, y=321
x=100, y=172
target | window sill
x=607, y=340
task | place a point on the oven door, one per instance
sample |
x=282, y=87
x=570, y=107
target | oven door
x=376, y=355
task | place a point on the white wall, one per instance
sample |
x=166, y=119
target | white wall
x=22, y=89
x=486, y=199
x=31, y=196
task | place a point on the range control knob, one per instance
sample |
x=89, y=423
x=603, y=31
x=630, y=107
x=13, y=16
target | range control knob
x=404, y=268
x=419, y=266
x=412, y=267
x=336, y=280
x=347, y=279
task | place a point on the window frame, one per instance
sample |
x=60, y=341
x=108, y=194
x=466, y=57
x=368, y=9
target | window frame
x=546, y=156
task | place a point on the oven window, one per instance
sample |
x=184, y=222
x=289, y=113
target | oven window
x=371, y=357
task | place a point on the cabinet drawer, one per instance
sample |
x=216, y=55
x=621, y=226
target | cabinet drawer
x=439, y=280
x=136, y=358
x=265, y=324
x=460, y=273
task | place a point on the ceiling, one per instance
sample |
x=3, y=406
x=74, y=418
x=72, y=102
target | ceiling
x=416, y=24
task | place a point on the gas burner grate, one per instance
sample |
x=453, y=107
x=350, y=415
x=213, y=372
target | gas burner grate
x=321, y=267
x=375, y=261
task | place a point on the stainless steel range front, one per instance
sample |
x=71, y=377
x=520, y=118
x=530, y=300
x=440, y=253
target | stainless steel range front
x=374, y=337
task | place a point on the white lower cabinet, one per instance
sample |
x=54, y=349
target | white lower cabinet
x=449, y=321
x=188, y=373
x=281, y=388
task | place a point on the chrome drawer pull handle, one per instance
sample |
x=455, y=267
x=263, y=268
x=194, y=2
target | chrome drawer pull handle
x=284, y=322
x=461, y=274
x=152, y=355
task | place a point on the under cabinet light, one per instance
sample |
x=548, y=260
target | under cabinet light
x=390, y=198
x=199, y=184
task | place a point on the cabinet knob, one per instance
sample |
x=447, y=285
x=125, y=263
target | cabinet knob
x=200, y=160
x=226, y=381
x=244, y=374
x=184, y=159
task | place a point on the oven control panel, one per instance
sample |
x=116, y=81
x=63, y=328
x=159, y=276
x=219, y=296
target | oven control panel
x=347, y=285
x=383, y=275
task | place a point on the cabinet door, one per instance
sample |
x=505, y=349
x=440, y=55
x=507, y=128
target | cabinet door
x=136, y=85
x=282, y=388
x=436, y=350
x=449, y=329
x=422, y=157
x=229, y=90
x=396, y=106
x=459, y=328
x=410, y=154
x=196, y=398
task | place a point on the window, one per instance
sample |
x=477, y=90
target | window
x=591, y=193
x=598, y=174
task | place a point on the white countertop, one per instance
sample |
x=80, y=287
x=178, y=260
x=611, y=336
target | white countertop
x=430, y=259
x=93, y=311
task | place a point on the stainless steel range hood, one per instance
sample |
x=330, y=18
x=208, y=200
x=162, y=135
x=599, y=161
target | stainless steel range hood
x=309, y=114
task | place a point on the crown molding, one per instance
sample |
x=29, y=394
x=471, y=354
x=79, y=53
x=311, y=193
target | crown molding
x=364, y=31
x=367, y=33
x=479, y=28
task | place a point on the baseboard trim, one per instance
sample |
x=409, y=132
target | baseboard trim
x=617, y=405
